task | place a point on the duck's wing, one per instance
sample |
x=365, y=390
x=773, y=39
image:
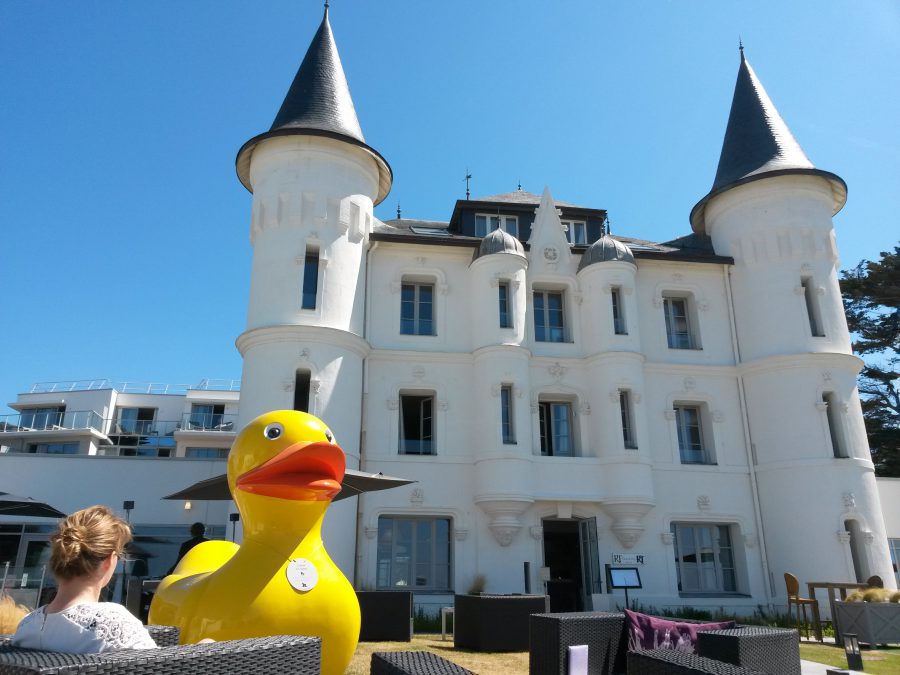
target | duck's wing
x=177, y=590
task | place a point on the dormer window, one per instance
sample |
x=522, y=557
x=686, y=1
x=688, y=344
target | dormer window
x=576, y=231
x=486, y=223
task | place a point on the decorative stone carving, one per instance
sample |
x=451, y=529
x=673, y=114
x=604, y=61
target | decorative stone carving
x=443, y=404
x=504, y=516
x=750, y=540
x=869, y=537
x=843, y=536
x=304, y=354
x=418, y=372
x=820, y=290
x=718, y=416
x=371, y=532
x=667, y=538
x=460, y=533
x=627, y=517
x=421, y=260
x=844, y=406
x=627, y=290
x=417, y=496
x=678, y=277
x=315, y=386
x=799, y=290
x=557, y=371
x=658, y=301
x=826, y=375
x=393, y=403
x=805, y=268
x=669, y=414
x=703, y=305
x=636, y=397
x=503, y=533
x=534, y=407
x=821, y=406
x=288, y=384
x=443, y=289
x=585, y=408
x=614, y=396
x=551, y=254
x=537, y=532
x=703, y=503
x=578, y=296
x=849, y=500
x=690, y=383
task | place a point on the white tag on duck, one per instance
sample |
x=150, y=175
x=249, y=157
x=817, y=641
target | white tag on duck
x=302, y=574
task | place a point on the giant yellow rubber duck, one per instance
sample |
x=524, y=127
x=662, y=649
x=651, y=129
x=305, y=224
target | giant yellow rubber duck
x=283, y=470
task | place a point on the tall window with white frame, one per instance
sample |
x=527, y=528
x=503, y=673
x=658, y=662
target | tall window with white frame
x=618, y=311
x=556, y=425
x=301, y=390
x=576, y=231
x=416, y=308
x=838, y=447
x=812, y=307
x=417, y=424
x=486, y=223
x=507, y=426
x=680, y=332
x=627, y=412
x=693, y=446
x=704, y=558
x=504, y=304
x=414, y=553
x=549, y=316
x=310, y=278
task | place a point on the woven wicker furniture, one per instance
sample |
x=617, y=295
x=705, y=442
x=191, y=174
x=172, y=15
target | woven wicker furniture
x=552, y=634
x=414, y=663
x=875, y=623
x=386, y=616
x=495, y=623
x=769, y=650
x=278, y=655
x=674, y=662
x=164, y=636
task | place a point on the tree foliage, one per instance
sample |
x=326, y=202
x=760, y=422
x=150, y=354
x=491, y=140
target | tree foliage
x=871, y=294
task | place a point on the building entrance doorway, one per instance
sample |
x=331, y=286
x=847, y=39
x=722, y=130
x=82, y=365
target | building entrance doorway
x=570, y=553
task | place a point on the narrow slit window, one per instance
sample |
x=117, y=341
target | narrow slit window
x=812, y=307
x=627, y=419
x=506, y=414
x=301, y=391
x=837, y=445
x=618, y=312
x=505, y=314
x=310, y=278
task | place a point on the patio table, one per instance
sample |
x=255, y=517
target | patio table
x=831, y=587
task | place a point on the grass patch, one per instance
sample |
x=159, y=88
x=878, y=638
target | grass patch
x=883, y=661
x=483, y=663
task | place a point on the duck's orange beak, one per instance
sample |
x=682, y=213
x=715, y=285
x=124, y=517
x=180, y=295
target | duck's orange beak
x=303, y=471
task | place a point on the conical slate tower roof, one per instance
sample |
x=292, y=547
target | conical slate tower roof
x=318, y=103
x=758, y=144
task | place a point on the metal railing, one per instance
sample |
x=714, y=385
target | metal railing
x=23, y=584
x=205, y=384
x=51, y=421
x=130, y=427
x=208, y=422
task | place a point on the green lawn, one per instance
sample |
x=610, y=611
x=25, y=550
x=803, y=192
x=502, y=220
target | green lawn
x=885, y=660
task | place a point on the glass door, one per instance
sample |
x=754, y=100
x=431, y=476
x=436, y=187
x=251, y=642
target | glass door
x=590, y=560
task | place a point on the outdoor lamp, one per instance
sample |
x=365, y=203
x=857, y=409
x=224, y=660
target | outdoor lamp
x=188, y=506
x=851, y=649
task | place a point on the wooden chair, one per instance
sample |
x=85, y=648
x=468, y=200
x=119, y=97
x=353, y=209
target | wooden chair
x=793, y=593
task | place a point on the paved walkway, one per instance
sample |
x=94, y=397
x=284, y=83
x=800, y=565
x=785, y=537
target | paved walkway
x=813, y=668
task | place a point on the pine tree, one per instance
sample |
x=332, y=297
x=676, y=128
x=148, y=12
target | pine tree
x=871, y=294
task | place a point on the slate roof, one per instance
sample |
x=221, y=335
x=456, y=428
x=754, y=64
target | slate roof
x=758, y=144
x=606, y=249
x=499, y=241
x=522, y=197
x=318, y=103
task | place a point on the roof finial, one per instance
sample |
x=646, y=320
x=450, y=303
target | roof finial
x=398, y=210
x=467, y=179
x=741, y=47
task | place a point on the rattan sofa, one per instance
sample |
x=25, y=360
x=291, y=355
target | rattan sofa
x=495, y=623
x=414, y=663
x=278, y=655
x=386, y=616
x=756, y=648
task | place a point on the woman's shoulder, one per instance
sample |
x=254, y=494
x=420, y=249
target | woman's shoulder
x=119, y=628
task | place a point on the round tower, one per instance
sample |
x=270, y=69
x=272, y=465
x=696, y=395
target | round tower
x=314, y=182
x=771, y=210
x=606, y=273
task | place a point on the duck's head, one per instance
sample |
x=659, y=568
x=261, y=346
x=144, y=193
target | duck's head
x=286, y=454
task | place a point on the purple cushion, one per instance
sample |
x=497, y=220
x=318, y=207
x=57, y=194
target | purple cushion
x=651, y=632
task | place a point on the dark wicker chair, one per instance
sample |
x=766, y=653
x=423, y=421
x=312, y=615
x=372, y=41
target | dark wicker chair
x=552, y=634
x=414, y=663
x=495, y=623
x=386, y=616
x=278, y=655
x=164, y=636
x=674, y=662
x=769, y=650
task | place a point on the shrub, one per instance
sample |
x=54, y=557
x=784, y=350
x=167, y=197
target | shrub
x=477, y=585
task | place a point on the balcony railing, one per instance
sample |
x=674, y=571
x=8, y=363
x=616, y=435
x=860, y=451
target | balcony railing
x=208, y=422
x=130, y=427
x=134, y=387
x=51, y=421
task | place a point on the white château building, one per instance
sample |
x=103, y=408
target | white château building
x=563, y=397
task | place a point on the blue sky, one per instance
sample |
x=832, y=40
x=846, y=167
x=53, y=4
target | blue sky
x=126, y=230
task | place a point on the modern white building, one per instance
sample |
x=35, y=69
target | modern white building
x=566, y=399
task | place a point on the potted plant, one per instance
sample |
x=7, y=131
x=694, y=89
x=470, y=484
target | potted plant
x=873, y=614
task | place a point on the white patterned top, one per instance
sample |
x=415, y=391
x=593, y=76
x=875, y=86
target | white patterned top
x=87, y=628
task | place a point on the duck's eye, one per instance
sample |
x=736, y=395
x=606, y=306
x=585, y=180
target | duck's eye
x=329, y=435
x=273, y=431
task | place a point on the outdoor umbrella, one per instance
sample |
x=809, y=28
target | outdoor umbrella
x=13, y=505
x=354, y=483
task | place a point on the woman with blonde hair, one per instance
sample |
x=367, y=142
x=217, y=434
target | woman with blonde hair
x=84, y=552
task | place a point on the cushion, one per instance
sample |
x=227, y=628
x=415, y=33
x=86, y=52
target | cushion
x=652, y=632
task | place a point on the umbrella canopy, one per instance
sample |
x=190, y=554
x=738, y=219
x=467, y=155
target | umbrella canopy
x=354, y=483
x=13, y=505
